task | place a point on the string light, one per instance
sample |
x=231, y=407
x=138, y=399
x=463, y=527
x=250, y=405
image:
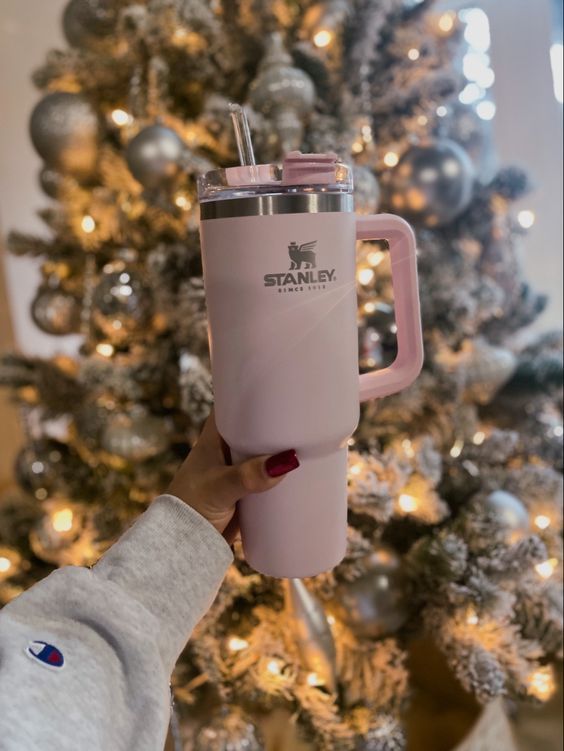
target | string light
x=182, y=202
x=5, y=564
x=375, y=258
x=414, y=54
x=526, y=218
x=541, y=683
x=105, y=349
x=407, y=503
x=62, y=520
x=391, y=159
x=87, y=224
x=331, y=619
x=422, y=120
x=323, y=38
x=478, y=438
x=365, y=276
x=486, y=110
x=356, y=469
x=408, y=448
x=558, y=431
x=446, y=21
x=456, y=449
x=472, y=617
x=120, y=117
x=274, y=667
x=236, y=645
x=369, y=307
x=542, y=522
x=442, y=111
x=546, y=568
x=314, y=680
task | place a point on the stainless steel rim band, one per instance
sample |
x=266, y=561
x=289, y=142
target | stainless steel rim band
x=266, y=205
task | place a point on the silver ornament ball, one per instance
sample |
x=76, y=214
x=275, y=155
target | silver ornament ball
x=366, y=190
x=55, y=311
x=64, y=130
x=86, y=23
x=374, y=605
x=121, y=304
x=50, y=182
x=155, y=156
x=230, y=730
x=512, y=515
x=136, y=436
x=432, y=183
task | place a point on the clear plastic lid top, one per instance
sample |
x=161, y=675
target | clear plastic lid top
x=299, y=173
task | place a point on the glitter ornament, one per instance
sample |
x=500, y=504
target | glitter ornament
x=64, y=130
x=511, y=514
x=282, y=93
x=87, y=23
x=311, y=633
x=50, y=182
x=432, y=184
x=38, y=465
x=485, y=369
x=65, y=535
x=136, y=435
x=366, y=190
x=374, y=605
x=155, y=156
x=55, y=311
x=230, y=730
x=121, y=303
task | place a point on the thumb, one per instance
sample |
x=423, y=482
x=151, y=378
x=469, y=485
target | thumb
x=252, y=476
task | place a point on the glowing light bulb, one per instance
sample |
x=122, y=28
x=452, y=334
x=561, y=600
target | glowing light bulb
x=375, y=258
x=456, y=449
x=274, y=667
x=446, y=21
x=365, y=276
x=526, y=218
x=182, y=202
x=331, y=620
x=558, y=431
x=356, y=469
x=541, y=683
x=408, y=448
x=542, y=521
x=422, y=120
x=442, y=111
x=407, y=503
x=478, y=438
x=546, y=568
x=486, y=110
x=105, y=349
x=369, y=307
x=391, y=159
x=5, y=564
x=323, y=38
x=236, y=645
x=62, y=520
x=472, y=617
x=88, y=224
x=414, y=54
x=314, y=680
x=120, y=117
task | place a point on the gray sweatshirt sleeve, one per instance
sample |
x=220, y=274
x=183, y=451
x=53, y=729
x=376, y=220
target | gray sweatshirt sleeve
x=86, y=654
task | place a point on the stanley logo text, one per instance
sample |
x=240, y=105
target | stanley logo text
x=303, y=273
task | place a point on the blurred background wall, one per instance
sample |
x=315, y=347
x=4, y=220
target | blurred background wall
x=527, y=126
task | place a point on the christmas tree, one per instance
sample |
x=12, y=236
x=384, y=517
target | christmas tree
x=455, y=488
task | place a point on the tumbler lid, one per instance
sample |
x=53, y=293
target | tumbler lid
x=299, y=172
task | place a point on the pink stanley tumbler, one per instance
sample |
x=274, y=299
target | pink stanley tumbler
x=278, y=248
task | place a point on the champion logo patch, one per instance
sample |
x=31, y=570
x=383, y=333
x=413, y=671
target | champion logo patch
x=46, y=654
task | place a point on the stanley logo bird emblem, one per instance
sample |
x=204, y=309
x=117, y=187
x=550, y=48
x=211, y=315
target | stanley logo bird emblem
x=303, y=253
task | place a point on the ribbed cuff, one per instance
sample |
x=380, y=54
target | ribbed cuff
x=172, y=561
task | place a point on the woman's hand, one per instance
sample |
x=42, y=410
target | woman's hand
x=212, y=487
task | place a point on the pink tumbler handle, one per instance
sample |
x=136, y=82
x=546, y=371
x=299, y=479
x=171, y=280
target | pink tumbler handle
x=409, y=361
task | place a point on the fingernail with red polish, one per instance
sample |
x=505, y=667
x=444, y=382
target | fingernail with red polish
x=282, y=463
